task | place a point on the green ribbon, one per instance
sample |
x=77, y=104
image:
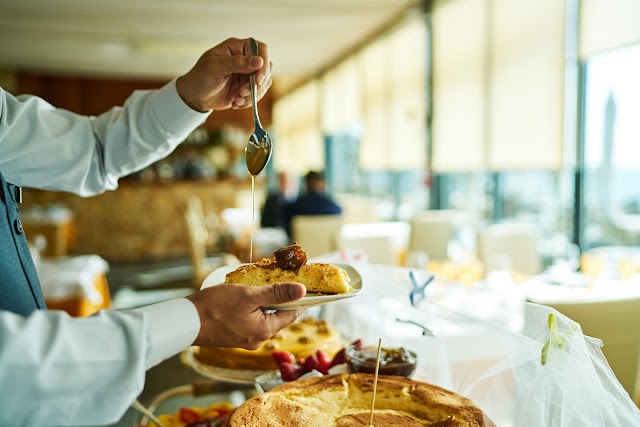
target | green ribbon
x=556, y=340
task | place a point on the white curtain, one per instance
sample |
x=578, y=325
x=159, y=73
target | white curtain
x=341, y=97
x=526, y=85
x=375, y=129
x=459, y=86
x=608, y=24
x=498, y=85
x=407, y=146
x=393, y=70
x=298, y=145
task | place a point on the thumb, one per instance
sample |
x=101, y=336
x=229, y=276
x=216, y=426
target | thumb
x=279, y=293
x=243, y=64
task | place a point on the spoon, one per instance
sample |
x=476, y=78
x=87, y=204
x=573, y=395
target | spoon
x=258, y=151
x=142, y=409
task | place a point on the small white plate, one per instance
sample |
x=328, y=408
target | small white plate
x=234, y=376
x=309, y=300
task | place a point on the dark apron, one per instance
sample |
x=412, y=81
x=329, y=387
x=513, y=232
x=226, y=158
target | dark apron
x=20, y=290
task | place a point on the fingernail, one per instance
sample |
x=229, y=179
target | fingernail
x=261, y=80
x=245, y=92
x=293, y=292
x=255, y=61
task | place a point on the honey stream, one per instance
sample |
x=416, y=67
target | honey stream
x=253, y=214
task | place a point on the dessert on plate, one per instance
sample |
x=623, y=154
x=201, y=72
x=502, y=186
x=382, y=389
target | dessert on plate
x=302, y=338
x=289, y=264
x=215, y=415
x=344, y=400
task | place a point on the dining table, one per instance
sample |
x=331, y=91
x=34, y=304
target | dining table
x=490, y=346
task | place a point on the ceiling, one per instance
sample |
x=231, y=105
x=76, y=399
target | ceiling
x=159, y=39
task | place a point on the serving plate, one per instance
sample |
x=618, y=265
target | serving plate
x=234, y=376
x=309, y=300
x=171, y=400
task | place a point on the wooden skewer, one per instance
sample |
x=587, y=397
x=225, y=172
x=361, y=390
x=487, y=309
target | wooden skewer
x=375, y=382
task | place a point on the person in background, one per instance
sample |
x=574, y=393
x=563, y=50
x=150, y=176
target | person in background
x=56, y=370
x=313, y=202
x=273, y=210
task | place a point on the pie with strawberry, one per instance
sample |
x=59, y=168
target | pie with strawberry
x=301, y=339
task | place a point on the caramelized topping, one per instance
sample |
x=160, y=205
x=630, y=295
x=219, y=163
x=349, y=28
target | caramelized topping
x=323, y=329
x=267, y=263
x=291, y=257
x=295, y=327
x=271, y=345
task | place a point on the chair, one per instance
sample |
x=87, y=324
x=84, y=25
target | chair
x=379, y=249
x=431, y=232
x=198, y=234
x=516, y=242
x=615, y=322
x=316, y=233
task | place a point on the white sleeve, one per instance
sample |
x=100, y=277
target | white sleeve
x=49, y=148
x=59, y=370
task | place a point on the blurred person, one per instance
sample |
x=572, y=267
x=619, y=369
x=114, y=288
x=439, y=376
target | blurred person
x=56, y=370
x=313, y=201
x=273, y=210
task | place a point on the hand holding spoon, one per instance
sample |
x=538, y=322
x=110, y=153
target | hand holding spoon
x=259, y=147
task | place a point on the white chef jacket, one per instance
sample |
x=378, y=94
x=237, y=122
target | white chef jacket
x=56, y=370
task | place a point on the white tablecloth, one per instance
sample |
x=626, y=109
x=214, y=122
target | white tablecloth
x=68, y=277
x=487, y=346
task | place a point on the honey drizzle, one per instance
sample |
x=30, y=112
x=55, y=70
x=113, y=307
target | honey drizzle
x=253, y=214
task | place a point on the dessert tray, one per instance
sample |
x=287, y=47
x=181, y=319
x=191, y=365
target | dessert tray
x=309, y=300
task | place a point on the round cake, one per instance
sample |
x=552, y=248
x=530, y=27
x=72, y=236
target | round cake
x=344, y=400
x=302, y=338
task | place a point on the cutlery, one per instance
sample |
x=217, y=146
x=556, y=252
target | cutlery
x=425, y=331
x=418, y=291
x=260, y=145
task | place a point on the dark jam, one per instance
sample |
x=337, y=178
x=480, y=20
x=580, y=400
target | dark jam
x=291, y=257
x=393, y=361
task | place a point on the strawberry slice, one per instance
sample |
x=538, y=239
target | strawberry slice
x=188, y=415
x=311, y=363
x=289, y=371
x=324, y=361
x=339, y=358
x=281, y=356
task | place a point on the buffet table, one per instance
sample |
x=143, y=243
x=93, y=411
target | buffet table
x=498, y=350
x=485, y=345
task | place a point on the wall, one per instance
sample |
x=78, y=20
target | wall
x=138, y=222
x=93, y=96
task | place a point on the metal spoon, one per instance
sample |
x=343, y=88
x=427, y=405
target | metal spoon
x=258, y=151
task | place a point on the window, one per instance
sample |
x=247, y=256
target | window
x=611, y=132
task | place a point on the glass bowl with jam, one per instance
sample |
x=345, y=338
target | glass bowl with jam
x=393, y=361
